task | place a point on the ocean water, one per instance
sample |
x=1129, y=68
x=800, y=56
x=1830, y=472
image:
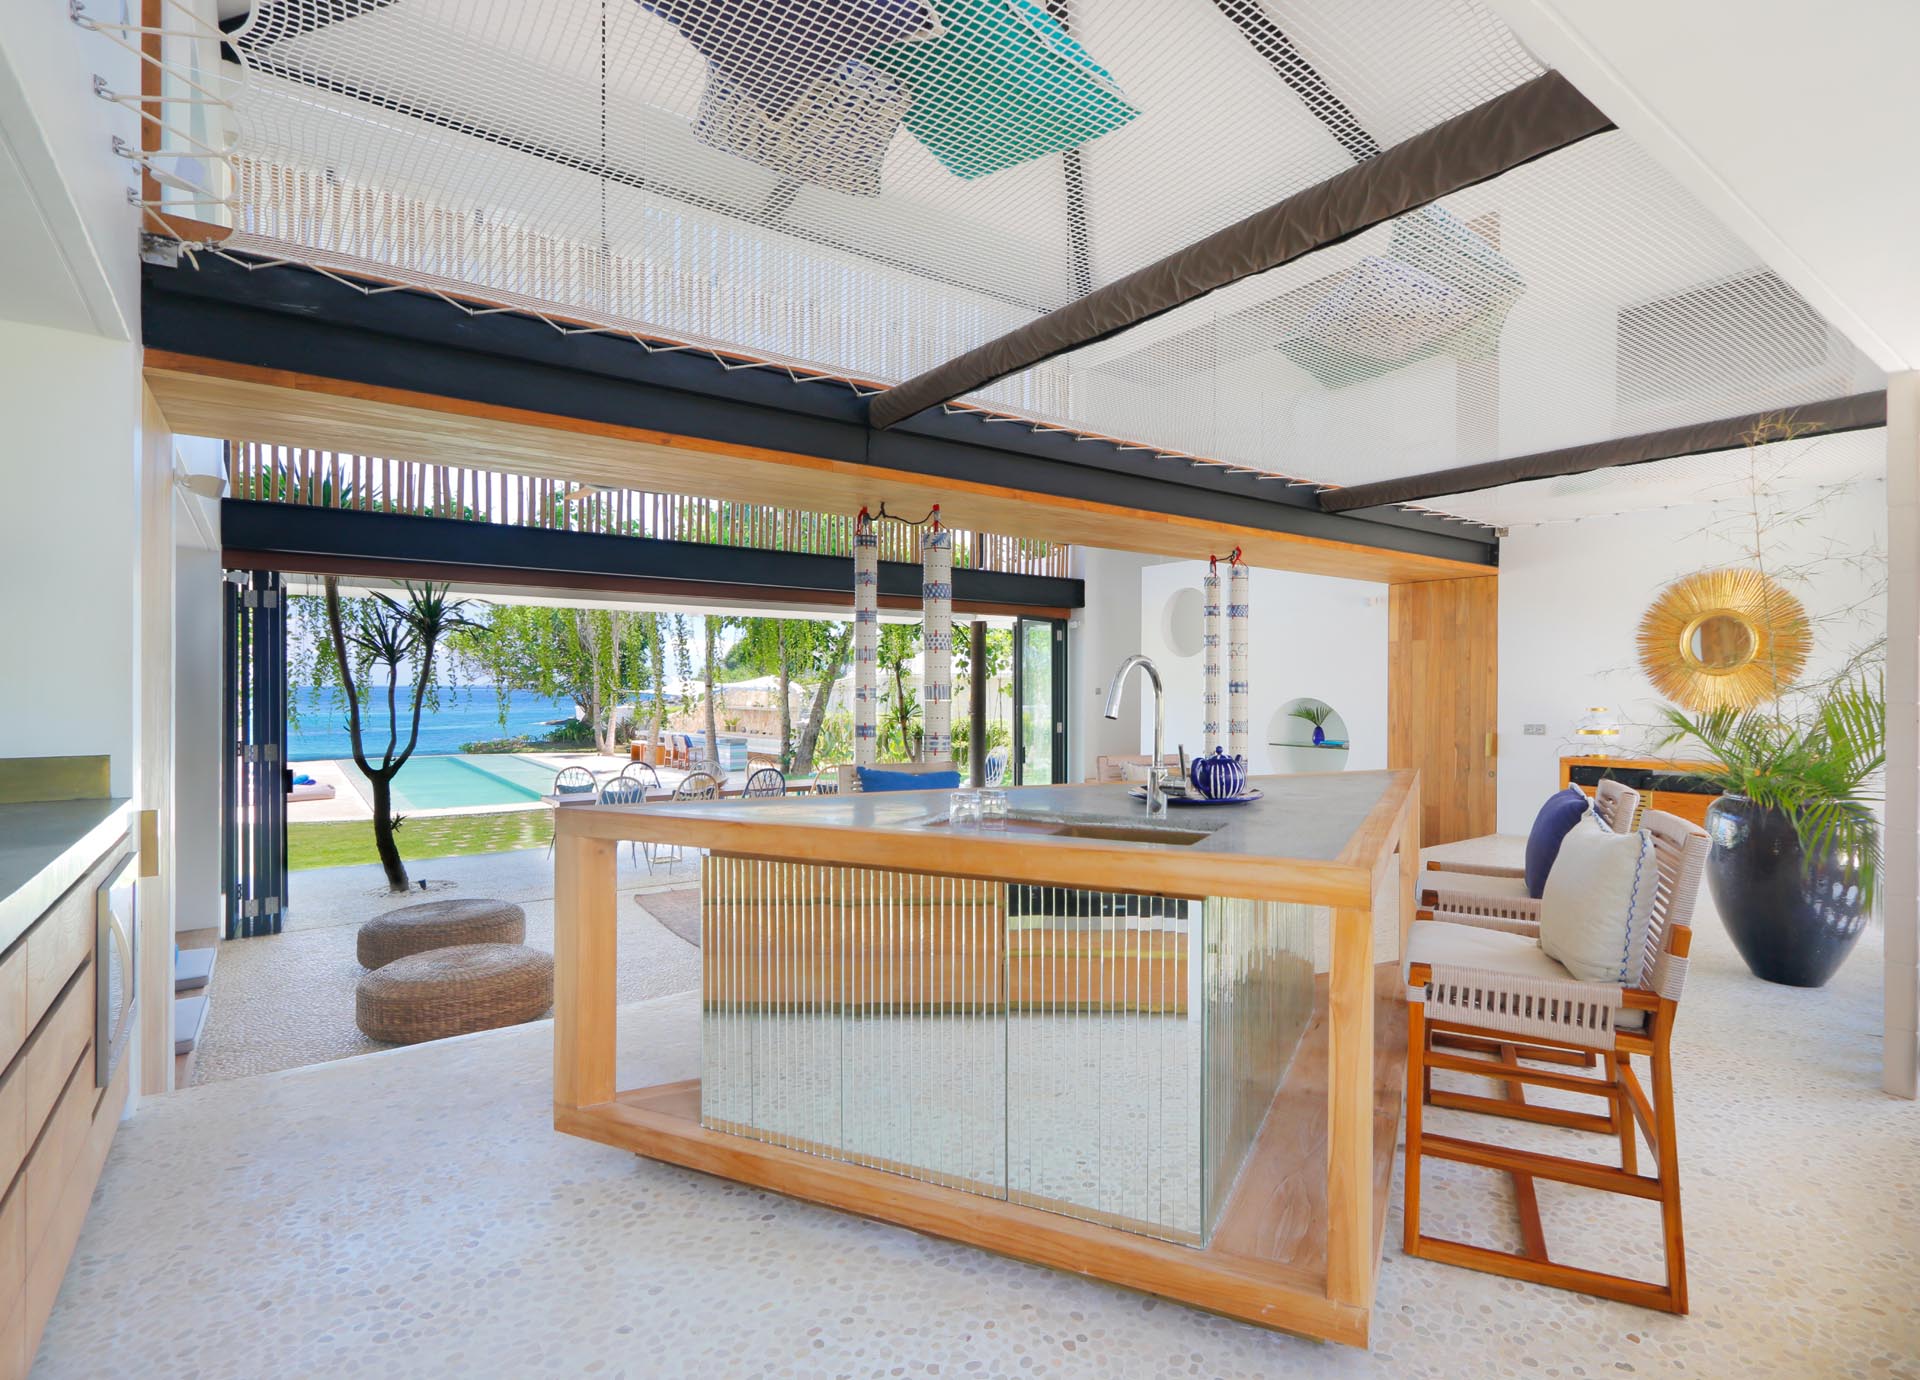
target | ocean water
x=465, y=716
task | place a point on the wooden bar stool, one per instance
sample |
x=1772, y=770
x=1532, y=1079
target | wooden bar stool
x=1499, y=890
x=1484, y=986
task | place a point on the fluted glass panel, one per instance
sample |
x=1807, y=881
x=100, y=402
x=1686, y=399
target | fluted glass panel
x=857, y=1013
x=1104, y=1055
x=1104, y=1058
x=1257, y=1002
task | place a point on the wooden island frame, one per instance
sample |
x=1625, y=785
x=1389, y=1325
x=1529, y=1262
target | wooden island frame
x=1298, y=1244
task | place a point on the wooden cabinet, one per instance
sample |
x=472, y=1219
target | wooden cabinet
x=55, y=1122
x=1675, y=787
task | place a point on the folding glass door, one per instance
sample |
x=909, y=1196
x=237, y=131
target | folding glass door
x=1039, y=701
x=254, y=832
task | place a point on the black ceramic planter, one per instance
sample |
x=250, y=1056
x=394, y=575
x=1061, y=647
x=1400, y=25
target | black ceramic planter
x=1792, y=925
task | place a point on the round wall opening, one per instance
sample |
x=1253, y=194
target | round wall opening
x=1290, y=744
x=1180, y=622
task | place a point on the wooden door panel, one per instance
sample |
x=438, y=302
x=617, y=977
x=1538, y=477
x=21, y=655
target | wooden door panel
x=1441, y=699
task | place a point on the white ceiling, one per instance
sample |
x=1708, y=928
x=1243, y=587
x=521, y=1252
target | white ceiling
x=1791, y=121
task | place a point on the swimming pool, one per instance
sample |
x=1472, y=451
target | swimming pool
x=460, y=781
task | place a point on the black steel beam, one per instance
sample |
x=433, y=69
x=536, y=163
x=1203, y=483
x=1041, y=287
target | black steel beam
x=286, y=317
x=1859, y=412
x=526, y=554
x=1532, y=120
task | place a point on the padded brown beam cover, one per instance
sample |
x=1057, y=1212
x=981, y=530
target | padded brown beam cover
x=1856, y=413
x=1527, y=122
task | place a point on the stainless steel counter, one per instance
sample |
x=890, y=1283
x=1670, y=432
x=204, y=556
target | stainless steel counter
x=47, y=846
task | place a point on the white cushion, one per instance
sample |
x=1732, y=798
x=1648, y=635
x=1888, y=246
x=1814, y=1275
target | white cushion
x=1498, y=951
x=1598, y=902
x=1469, y=946
x=1134, y=773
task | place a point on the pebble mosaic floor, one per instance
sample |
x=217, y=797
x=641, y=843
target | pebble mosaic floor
x=284, y=1000
x=413, y=1214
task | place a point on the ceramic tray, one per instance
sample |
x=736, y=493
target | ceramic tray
x=1140, y=793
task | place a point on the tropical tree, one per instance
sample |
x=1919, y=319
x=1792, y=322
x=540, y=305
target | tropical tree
x=900, y=729
x=795, y=651
x=712, y=626
x=829, y=648
x=595, y=657
x=653, y=633
x=384, y=638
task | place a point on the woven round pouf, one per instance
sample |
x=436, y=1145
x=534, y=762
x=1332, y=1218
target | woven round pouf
x=454, y=991
x=439, y=925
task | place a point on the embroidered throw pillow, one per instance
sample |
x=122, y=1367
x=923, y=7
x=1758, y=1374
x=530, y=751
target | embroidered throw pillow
x=1598, y=903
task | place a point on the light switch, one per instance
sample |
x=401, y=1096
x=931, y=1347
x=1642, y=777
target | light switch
x=1534, y=730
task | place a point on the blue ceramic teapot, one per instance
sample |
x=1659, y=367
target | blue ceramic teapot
x=1218, y=777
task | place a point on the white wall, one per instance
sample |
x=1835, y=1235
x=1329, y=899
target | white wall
x=1311, y=636
x=1099, y=637
x=196, y=734
x=1571, y=599
x=71, y=254
x=69, y=542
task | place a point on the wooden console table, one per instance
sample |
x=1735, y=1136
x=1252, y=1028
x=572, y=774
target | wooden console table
x=1676, y=787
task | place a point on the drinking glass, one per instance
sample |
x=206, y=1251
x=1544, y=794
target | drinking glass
x=993, y=810
x=963, y=810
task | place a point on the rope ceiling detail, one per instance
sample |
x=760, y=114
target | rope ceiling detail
x=870, y=187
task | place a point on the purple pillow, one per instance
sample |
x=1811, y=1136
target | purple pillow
x=1554, y=822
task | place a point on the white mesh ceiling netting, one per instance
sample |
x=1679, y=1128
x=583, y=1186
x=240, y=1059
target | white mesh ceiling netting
x=869, y=187
x=1727, y=476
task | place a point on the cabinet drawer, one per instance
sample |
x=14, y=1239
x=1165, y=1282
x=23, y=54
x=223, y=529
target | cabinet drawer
x=13, y=1003
x=58, y=943
x=33, y=1085
x=63, y=1140
x=13, y=1249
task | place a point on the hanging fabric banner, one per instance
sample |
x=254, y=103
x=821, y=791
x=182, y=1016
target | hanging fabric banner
x=1210, y=735
x=936, y=640
x=866, y=640
x=1237, y=588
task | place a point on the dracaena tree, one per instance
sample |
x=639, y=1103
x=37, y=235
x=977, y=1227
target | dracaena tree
x=379, y=645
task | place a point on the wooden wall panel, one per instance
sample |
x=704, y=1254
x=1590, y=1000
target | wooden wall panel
x=1442, y=678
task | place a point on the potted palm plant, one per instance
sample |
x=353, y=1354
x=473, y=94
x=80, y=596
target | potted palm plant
x=1316, y=714
x=1795, y=860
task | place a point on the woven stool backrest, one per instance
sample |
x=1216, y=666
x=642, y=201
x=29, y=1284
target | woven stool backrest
x=1616, y=805
x=1680, y=856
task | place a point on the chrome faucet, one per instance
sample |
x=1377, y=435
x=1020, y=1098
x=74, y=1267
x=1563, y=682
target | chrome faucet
x=1157, y=772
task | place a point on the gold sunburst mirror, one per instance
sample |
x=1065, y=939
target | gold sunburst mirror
x=1724, y=637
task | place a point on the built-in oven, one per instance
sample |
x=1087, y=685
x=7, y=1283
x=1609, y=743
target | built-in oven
x=116, y=934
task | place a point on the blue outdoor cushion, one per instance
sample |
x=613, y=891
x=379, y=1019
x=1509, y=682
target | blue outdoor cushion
x=879, y=779
x=1556, y=818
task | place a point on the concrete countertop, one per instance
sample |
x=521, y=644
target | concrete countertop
x=47, y=846
x=1310, y=837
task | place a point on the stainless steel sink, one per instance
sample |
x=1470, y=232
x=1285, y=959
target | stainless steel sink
x=1112, y=831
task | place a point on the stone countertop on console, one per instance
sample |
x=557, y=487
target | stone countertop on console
x=45, y=847
x=1310, y=837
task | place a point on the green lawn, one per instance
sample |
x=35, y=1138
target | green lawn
x=342, y=843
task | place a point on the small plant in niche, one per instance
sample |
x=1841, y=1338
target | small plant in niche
x=1316, y=714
